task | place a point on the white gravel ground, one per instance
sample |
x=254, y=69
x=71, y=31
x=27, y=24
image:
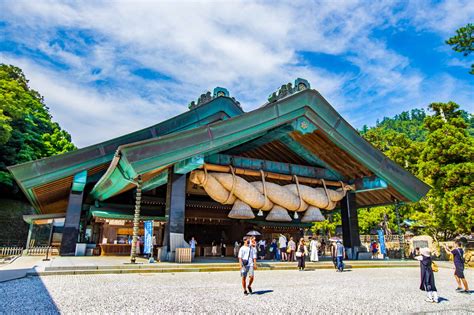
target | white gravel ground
x=388, y=290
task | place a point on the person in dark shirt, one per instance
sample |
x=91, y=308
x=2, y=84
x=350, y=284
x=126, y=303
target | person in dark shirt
x=427, y=275
x=458, y=258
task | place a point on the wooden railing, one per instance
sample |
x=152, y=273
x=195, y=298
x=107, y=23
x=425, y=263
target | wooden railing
x=370, y=238
x=11, y=251
x=41, y=250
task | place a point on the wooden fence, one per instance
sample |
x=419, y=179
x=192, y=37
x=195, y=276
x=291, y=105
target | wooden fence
x=183, y=255
x=41, y=251
x=388, y=238
x=11, y=251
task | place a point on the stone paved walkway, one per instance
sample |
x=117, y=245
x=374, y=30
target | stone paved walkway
x=18, y=268
x=393, y=290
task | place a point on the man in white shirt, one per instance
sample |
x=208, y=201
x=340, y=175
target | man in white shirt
x=248, y=263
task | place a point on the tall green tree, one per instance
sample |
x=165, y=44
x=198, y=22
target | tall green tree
x=447, y=164
x=400, y=137
x=438, y=149
x=463, y=41
x=26, y=129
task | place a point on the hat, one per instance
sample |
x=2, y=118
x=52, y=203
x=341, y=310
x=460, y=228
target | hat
x=425, y=251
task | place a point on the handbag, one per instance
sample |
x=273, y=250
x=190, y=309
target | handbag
x=299, y=254
x=288, y=250
x=434, y=266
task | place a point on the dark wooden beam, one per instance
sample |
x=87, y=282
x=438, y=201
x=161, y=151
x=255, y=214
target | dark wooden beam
x=271, y=166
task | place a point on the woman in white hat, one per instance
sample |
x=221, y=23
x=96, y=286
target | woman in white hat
x=427, y=275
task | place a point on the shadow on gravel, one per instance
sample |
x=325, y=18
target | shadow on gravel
x=262, y=292
x=442, y=299
x=27, y=295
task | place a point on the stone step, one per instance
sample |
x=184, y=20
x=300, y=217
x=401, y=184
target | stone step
x=160, y=268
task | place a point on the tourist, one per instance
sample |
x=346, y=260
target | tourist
x=137, y=246
x=291, y=249
x=223, y=247
x=340, y=252
x=192, y=244
x=282, y=246
x=313, y=246
x=301, y=253
x=323, y=247
x=262, y=248
x=333, y=253
x=458, y=259
x=427, y=275
x=273, y=250
x=374, y=249
x=236, y=248
x=248, y=263
x=416, y=252
x=214, y=248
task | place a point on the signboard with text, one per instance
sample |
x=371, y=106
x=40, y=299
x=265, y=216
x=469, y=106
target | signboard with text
x=148, y=243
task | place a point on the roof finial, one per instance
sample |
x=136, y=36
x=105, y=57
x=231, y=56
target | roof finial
x=288, y=89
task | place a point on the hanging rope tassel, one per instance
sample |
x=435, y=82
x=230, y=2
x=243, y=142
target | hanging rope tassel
x=234, y=182
x=260, y=212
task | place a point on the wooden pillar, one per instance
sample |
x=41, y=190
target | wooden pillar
x=73, y=215
x=175, y=212
x=350, y=223
x=71, y=224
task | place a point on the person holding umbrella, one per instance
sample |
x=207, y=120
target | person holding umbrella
x=248, y=263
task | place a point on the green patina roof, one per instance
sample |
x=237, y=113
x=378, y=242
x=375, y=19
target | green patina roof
x=208, y=129
x=307, y=107
x=39, y=172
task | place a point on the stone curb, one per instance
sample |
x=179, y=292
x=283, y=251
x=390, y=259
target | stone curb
x=94, y=270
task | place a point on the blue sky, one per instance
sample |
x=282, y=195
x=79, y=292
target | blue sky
x=109, y=68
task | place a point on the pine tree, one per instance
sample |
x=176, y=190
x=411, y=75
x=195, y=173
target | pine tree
x=446, y=163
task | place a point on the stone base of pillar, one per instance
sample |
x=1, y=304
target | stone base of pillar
x=176, y=241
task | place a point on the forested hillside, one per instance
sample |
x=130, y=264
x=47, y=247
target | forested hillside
x=27, y=133
x=438, y=147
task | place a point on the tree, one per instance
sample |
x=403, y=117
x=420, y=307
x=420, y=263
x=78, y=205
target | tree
x=447, y=164
x=463, y=41
x=26, y=130
x=438, y=149
x=400, y=138
x=328, y=226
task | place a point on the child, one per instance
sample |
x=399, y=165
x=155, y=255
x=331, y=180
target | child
x=427, y=275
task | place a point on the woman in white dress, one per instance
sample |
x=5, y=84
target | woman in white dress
x=313, y=246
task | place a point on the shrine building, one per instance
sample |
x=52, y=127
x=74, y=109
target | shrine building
x=214, y=173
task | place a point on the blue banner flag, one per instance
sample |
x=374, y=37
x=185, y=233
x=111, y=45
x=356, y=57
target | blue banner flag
x=381, y=242
x=148, y=246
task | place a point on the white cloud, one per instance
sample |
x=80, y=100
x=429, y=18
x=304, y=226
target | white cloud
x=444, y=17
x=89, y=116
x=250, y=48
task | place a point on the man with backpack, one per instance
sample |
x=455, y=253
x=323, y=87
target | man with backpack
x=248, y=263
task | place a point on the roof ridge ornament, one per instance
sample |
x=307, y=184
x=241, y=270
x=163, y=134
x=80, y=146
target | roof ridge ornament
x=288, y=89
x=207, y=97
